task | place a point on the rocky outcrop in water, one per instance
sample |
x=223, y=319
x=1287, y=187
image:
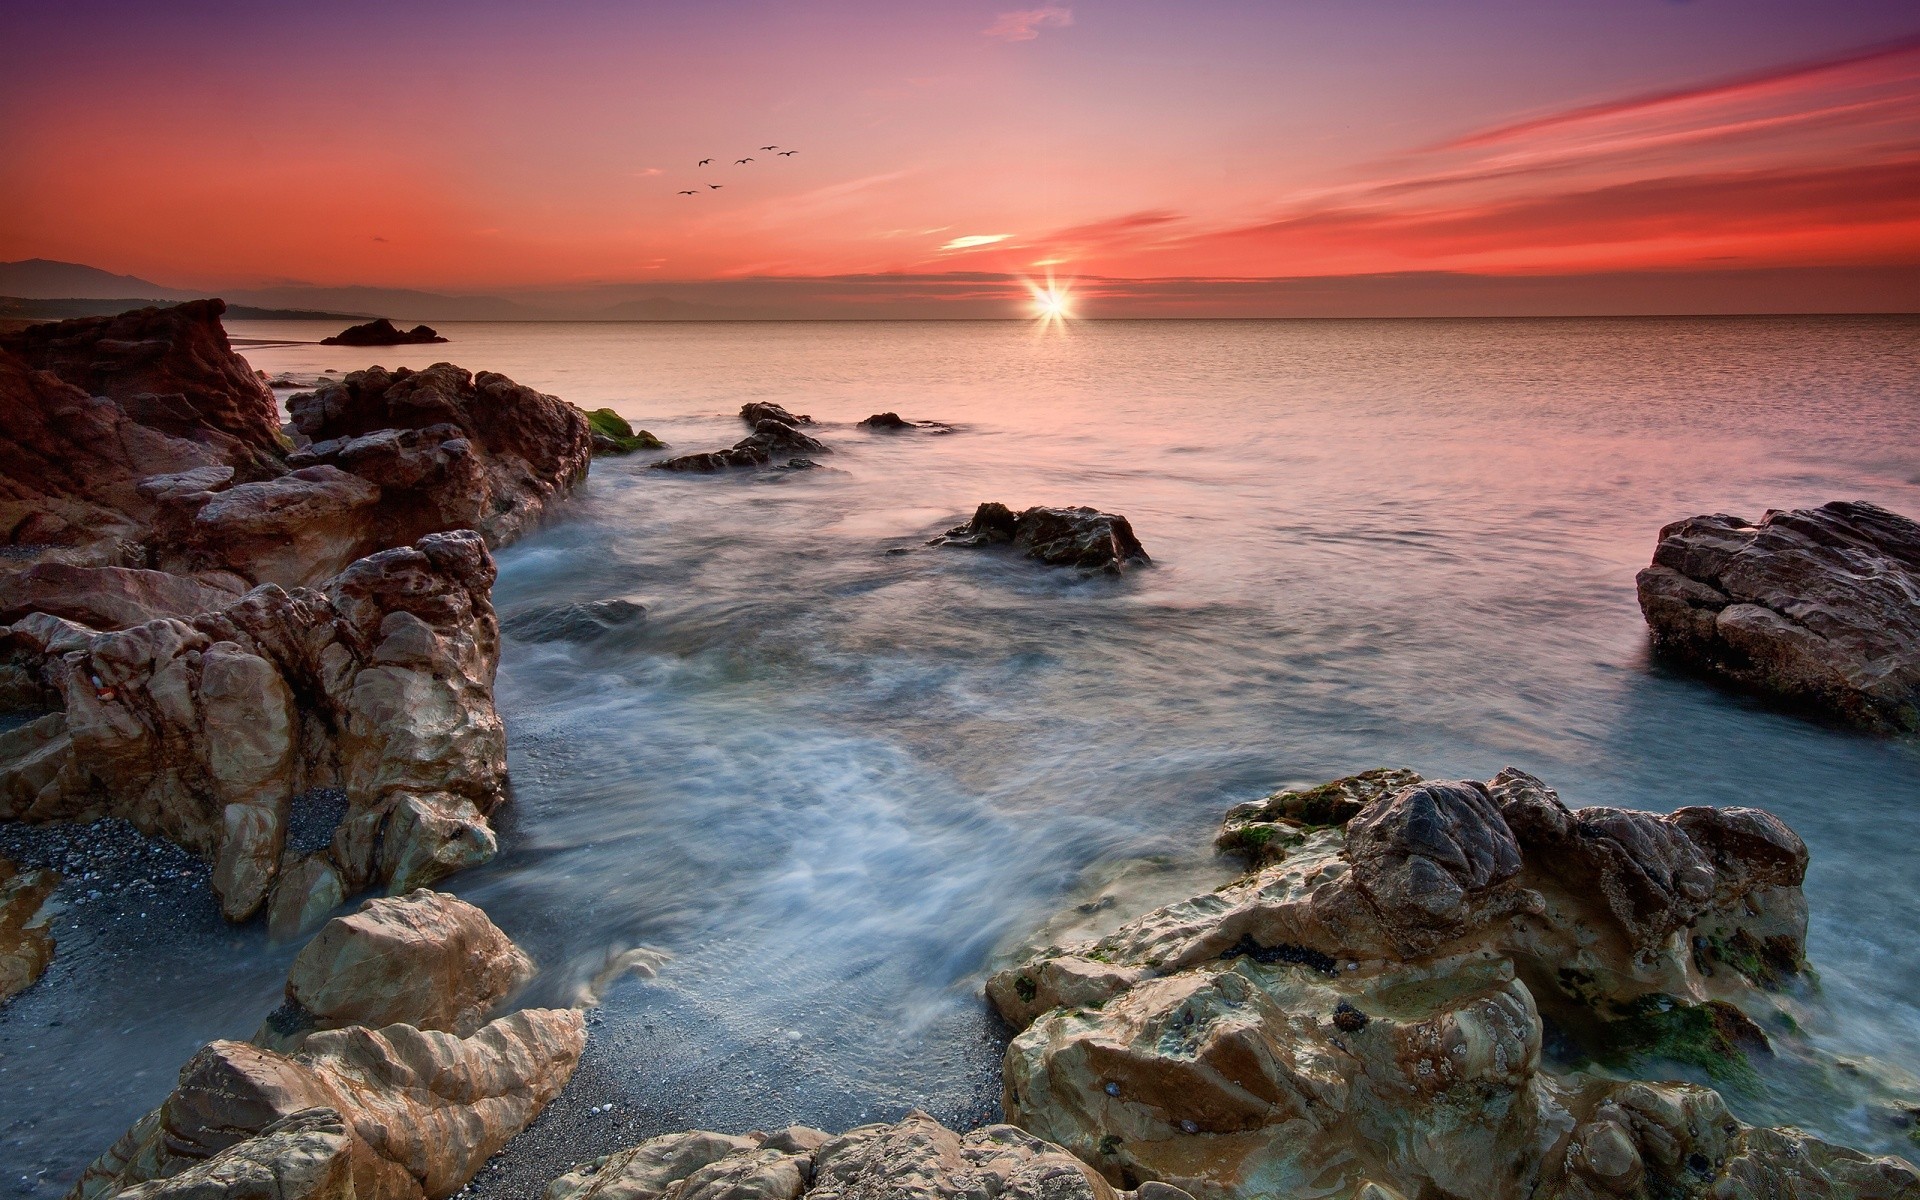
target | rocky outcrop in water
x=1060, y=537
x=25, y=945
x=893, y=422
x=1364, y=1014
x=204, y=729
x=762, y=410
x=613, y=435
x=406, y=1110
x=382, y=332
x=917, y=1157
x=1819, y=607
x=771, y=438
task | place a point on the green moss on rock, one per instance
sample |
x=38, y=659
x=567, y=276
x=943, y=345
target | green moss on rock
x=1715, y=1037
x=613, y=435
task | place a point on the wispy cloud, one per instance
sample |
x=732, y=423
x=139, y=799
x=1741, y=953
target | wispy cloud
x=974, y=241
x=1025, y=24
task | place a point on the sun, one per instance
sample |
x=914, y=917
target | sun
x=1052, y=302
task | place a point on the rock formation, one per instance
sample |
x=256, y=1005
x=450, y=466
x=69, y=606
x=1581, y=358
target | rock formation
x=893, y=422
x=917, y=1157
x=407, y=1110
x=613, y=435
x=771, y=438
x=762, y=410
x=1819, y=607
x=1363, y=1015
x=25, y=945
x=1060, y=537
x=203, y=729
x=382, y=332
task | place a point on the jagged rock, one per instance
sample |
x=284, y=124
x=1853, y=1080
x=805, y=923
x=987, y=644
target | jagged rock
x=382, y=332
x=108, y=597
x=412, y=1108
x=917, y=1157
x=202, y=729
x=448, y=449
x=613, y=435
x=1061, y=537
x=770, y=439
x=1819, y=607
x=169, y=369
x=762, y=410
x=25, y=945
x=1261, y=830
x=1362, y=1015
x=425, y=959
x=574, y=622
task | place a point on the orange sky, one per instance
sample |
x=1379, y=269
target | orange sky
x=491, y=147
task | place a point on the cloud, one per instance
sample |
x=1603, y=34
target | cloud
x=975, y=240
x=1025, y=24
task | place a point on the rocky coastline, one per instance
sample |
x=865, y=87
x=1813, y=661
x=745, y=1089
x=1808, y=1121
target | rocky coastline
x=272, y=648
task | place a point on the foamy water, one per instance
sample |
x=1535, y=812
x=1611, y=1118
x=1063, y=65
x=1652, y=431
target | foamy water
x=828, y=781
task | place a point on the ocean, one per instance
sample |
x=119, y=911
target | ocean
x=824, y=784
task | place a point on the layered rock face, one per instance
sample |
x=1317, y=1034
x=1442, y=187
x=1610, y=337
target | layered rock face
x=1060, y=537
x=918, y=1157
x=1818, y=606
x=204, y=729
x=409, y=1109
x=1363, y=1015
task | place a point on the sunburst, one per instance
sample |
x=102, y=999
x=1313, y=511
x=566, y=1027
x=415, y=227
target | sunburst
x=1052, y=302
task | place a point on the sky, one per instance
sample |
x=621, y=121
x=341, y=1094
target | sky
x=1188, y=158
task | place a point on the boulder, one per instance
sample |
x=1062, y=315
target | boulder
x=893, y=422
x=613, y=435
x=1818, y=607
x=169, y=369
x=574, y=622
x=762, y=410
x=447, y=449
x=915, y=1157
x=425, y=959
x=1364, y=1013
x=25, y=945
x=1060, y=537
x=202, y=729
x=382, y=332
x=379, y=1079
x=771, y=438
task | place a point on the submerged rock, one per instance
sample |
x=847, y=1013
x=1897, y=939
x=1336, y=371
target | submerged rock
x=916, y=1157
x=574, y=622
x=1061, y=537
x=1817, y=606
x=613, y=435
x=382, y=332
x=26, y=947
x=1364, y=1014
x=406, y=1110
x=771, y=438
x=201, y=730
x=893, y=422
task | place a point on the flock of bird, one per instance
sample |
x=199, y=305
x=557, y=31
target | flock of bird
x=738, y=162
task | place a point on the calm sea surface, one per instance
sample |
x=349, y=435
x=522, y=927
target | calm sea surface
x=826, y=782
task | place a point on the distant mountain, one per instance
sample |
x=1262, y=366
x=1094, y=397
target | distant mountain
x=26, y=309
x=45, y=279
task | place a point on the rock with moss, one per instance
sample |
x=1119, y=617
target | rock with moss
x=613, y=435
x=1365, y=1013
x=1261, y=830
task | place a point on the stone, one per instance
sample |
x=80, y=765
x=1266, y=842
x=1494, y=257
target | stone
x=1261, y=830
x=382, y=332
x=613, y=435
x=770, y=439
x=1817, y=607
x=573, y=622
x=425, y=959
x=1364, y=1012
x=202, y=730
x=26, y=947
x=915, y=1157
x=107, y=597
x=305, y=894
x=307, y=1155
x=1060, y=537
x=893, y=422
x=762, y=410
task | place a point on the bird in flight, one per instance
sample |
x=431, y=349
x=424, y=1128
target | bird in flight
x=716, y=186
x=769, y=147
x=738, y=161
x=690, y=192
x=788, y=153
x=705, y=161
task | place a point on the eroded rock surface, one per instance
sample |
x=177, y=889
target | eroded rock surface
x=1060, y=537
x=1366, y=1009
x=202, y=729
x=1818, y=606
x=26, y=947
x=403, y=1111
x=917, y=1157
